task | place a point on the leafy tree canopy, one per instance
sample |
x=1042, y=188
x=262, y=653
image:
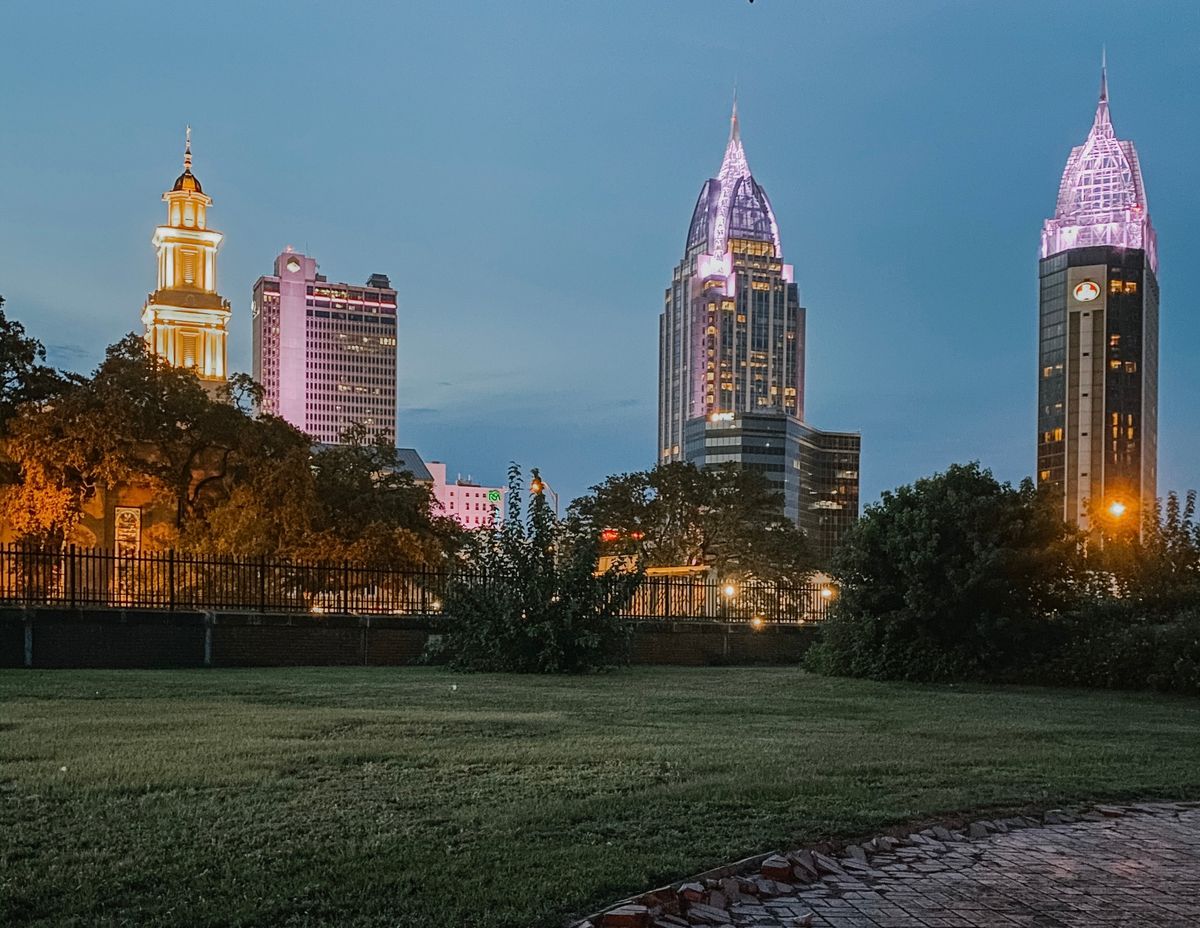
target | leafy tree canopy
x=24, y=378
x=726, y=518
x=948, y=578
x=236, y=482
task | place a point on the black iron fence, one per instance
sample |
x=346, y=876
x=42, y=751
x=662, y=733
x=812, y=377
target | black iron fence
x=168, y=580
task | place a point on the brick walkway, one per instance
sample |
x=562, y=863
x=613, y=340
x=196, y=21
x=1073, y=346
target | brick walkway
x=1136, y=866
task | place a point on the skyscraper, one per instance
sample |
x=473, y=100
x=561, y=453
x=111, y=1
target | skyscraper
x=186, y=320
x=1098, y=337
x=325, y=353
x=731, y=335
x=731, y=359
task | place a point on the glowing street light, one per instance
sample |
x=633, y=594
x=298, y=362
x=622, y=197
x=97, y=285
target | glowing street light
x=729, y=590
x=1116, y=509
x=826, y=593
x=537, y=486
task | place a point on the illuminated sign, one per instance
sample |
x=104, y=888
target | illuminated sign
x=493, y=496
x=1086, y=291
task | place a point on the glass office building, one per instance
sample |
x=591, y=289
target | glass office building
x=815, y=472
x=1098, y=336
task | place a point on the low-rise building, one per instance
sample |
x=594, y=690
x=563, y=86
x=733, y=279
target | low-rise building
x=470, y=504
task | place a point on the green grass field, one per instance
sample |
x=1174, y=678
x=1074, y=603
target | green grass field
x=355, y=797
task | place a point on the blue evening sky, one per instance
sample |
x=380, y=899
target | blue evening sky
x=525, y=172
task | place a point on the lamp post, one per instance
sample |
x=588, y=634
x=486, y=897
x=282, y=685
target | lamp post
x=538, y=485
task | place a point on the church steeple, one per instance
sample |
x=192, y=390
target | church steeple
x=186, y=319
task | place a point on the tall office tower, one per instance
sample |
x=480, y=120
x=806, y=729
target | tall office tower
x=731, y=335
x=186, y=320
x=325, y=353
x=1098, y=345
x=731, y=359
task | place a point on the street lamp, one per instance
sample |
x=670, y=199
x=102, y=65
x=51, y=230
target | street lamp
x=1116, y=509
x=538, y=485
x=729, y=590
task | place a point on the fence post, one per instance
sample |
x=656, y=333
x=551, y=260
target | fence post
x=171, y=580
x=262, y=583
x=346, y=587
x=71, y=574
x=210, y=619
x=28, y=637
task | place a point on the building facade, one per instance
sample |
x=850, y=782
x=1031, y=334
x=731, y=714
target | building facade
x=731, y=359
x=470, y=504
x=1098, y=339
x=325, y=353
x=185, y=318
x=815, y=472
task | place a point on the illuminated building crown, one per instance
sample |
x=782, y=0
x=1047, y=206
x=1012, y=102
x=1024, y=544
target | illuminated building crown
x=732, y=204
x=1101, y=200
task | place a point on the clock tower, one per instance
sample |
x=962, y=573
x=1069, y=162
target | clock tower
x=186, y=320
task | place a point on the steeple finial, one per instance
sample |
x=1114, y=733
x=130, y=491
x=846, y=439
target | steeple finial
x=187, y=150
x=1103, y=74
x=734, y=129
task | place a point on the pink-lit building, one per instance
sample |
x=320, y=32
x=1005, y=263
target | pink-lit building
x=325, y=353
x=1097, y=437
x=466, y=502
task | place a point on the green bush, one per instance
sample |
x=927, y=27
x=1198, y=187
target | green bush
x=947, y=579
x=521, y=607
x=1114, y=645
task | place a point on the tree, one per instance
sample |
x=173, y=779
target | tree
x=526, y=605
x=726, y=518
x=350, y=502
x=1155, y=573
x=235, y=482
x=23, y=376
x=140, y=421
x=951, y=577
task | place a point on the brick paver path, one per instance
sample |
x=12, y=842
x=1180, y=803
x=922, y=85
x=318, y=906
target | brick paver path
x=1139, y=869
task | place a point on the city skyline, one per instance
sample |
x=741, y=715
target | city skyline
x=496, y=362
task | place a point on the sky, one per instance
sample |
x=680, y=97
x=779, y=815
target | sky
x=525, y=173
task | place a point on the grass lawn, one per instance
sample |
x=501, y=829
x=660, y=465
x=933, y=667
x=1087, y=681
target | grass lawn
x=377, y=796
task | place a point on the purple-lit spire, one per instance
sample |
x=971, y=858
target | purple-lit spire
x=732, y=204
x=1101, y=200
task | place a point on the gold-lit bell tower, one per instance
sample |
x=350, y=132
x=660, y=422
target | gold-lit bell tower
x=186, y=320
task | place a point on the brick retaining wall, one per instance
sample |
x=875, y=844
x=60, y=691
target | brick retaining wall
x=119, y=638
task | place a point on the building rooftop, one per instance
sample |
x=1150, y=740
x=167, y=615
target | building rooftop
x=1101, y=199
x=732, y=204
